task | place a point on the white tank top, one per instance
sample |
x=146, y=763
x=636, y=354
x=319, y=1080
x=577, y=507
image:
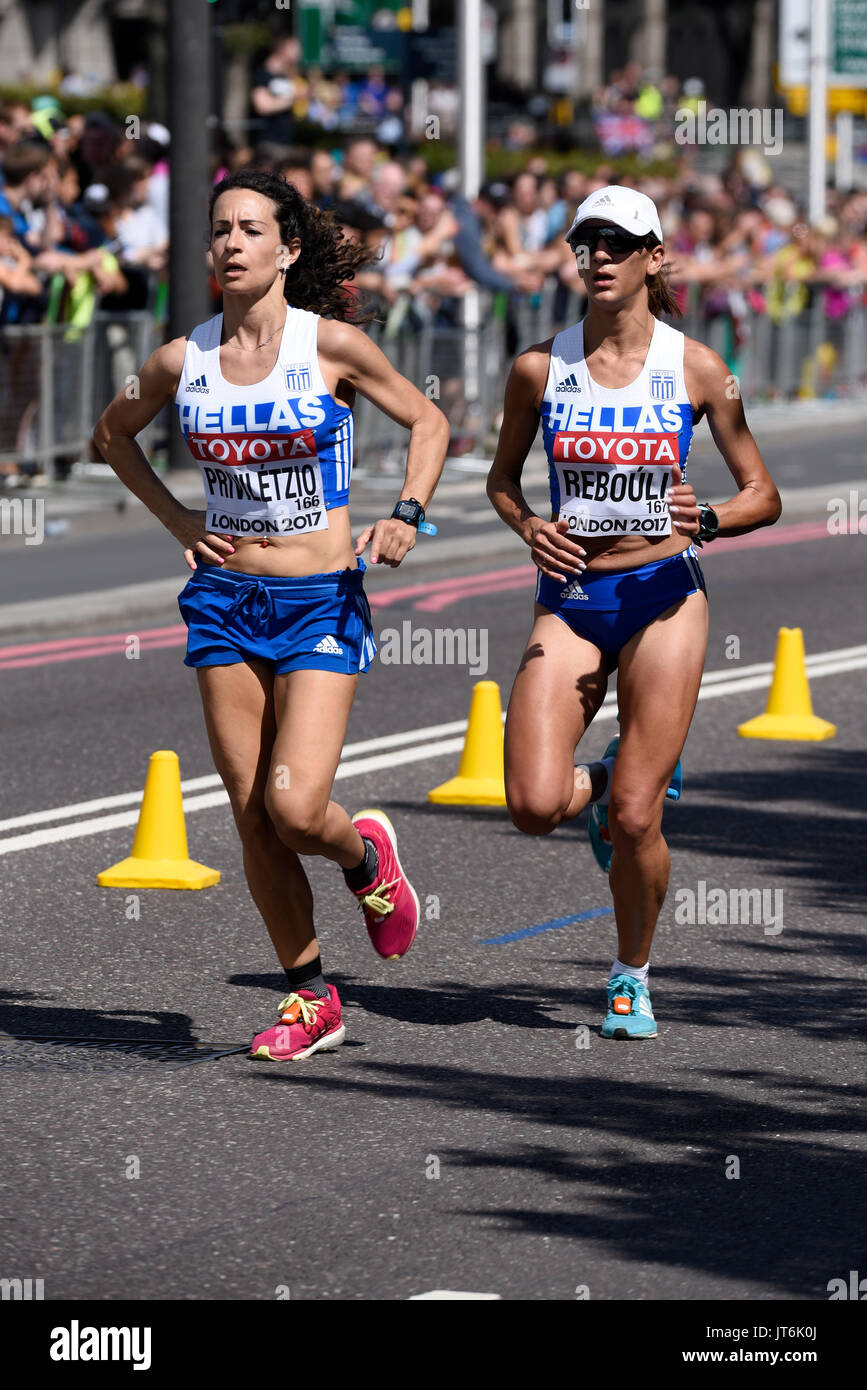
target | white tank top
x=276, y=456
x=610, y=450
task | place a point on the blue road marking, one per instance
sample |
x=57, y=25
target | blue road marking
x=553, y=925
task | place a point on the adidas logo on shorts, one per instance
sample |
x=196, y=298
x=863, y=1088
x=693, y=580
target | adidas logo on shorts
x=574, y=590
x=569, y=383
x=329, y=647
x=200, y=384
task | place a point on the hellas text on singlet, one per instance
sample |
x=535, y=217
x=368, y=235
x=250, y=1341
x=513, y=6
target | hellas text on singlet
x=610, y=450
x=275, y=456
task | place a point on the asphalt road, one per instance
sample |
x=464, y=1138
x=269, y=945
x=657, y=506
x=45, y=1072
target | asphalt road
x=474, y=1132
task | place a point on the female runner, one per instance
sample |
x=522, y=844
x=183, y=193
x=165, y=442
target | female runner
x=619, y=581
x=278, y=623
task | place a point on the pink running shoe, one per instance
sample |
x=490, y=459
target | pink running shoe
x=306, y=1025
x=390, y=906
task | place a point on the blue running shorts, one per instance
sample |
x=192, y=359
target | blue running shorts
x=316, y=622
x=609, y=607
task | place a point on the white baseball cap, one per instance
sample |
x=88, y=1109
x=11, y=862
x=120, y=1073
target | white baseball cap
x=623, y=207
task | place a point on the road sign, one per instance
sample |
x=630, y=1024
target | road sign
x=849, y=43
x=847, y=48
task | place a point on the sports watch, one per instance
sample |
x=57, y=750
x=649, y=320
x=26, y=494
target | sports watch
x=409, y=510
x=708, y=529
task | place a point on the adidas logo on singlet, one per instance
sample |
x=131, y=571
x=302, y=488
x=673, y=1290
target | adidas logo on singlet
x=329, y=647
x=200, y=384
x=574, y=590
x=570, y=383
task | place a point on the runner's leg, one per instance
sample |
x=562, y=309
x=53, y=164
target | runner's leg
x=658, y=679
x=560, y=685
x=239, y=717
x=312, y=712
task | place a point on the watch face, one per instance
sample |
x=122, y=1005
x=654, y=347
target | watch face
x=408, y=511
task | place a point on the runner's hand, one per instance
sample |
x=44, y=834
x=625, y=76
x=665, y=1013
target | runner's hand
x=553, y=551
x=389, y=541
x=685, y=517
x=189, y=529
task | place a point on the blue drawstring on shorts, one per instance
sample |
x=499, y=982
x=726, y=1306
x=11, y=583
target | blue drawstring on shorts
x=255, y=601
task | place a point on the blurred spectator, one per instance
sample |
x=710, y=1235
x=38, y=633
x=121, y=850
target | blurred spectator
x=140, y=234
x=98, y=147
x=29, y=179
x=387, y=183
x=322, y=105
x=323, y=174
x=79, y=230
x=359, y=159
x=18, y=281
x=155, y=148
x=372, y=94
x=523, y=223
x=296, y=169
x=275, y=86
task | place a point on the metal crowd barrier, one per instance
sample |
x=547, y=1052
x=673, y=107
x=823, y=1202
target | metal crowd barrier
x=802, y=356
x=55, y=380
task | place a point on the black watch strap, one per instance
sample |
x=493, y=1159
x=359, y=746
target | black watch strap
x=708, y=524
x=410, y=510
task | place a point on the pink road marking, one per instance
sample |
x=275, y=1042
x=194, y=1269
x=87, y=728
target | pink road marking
x=69, y=643
x=390, y=596
x=779, y=535
x=431, y=598
x=522, y=578
x=178, y=639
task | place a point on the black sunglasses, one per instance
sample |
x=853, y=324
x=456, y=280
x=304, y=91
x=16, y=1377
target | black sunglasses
x=617, y=240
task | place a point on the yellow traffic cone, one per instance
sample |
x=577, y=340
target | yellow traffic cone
x=789, y=712
x=159, y=852
x=480, y=776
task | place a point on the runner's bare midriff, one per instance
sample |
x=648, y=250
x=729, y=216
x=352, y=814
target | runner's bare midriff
x=628, y=554
x=323, y=552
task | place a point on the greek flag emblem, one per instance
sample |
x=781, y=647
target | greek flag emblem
x=298, y=377
x=662, y=385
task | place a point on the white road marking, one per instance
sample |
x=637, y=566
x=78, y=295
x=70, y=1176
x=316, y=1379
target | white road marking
x=388, y=750
x=449, y=1295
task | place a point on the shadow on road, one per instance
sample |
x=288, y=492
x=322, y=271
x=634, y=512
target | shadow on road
x=653, y=1187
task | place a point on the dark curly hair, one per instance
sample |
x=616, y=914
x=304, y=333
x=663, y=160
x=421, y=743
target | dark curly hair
x=317, y=279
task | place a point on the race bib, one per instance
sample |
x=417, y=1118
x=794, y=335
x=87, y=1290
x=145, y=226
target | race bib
x=261, y=484
x=615, y=483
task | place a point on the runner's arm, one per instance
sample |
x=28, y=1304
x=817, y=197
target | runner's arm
x=713, y=389
x=360, y=362
x=551, y=549
x=367, y=369
x=124, y=418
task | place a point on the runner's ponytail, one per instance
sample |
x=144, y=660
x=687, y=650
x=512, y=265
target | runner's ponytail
x=660, y=297
x=317, y=279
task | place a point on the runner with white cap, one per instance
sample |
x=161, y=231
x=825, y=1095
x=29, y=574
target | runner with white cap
x=619, y=583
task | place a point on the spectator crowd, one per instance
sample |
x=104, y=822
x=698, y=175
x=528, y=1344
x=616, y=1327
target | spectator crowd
x=84, y=209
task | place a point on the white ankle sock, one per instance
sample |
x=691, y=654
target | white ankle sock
x=638, y=972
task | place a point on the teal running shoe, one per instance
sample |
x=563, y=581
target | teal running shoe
x=630, y=1012
x=675, y=786
x=597, y=825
